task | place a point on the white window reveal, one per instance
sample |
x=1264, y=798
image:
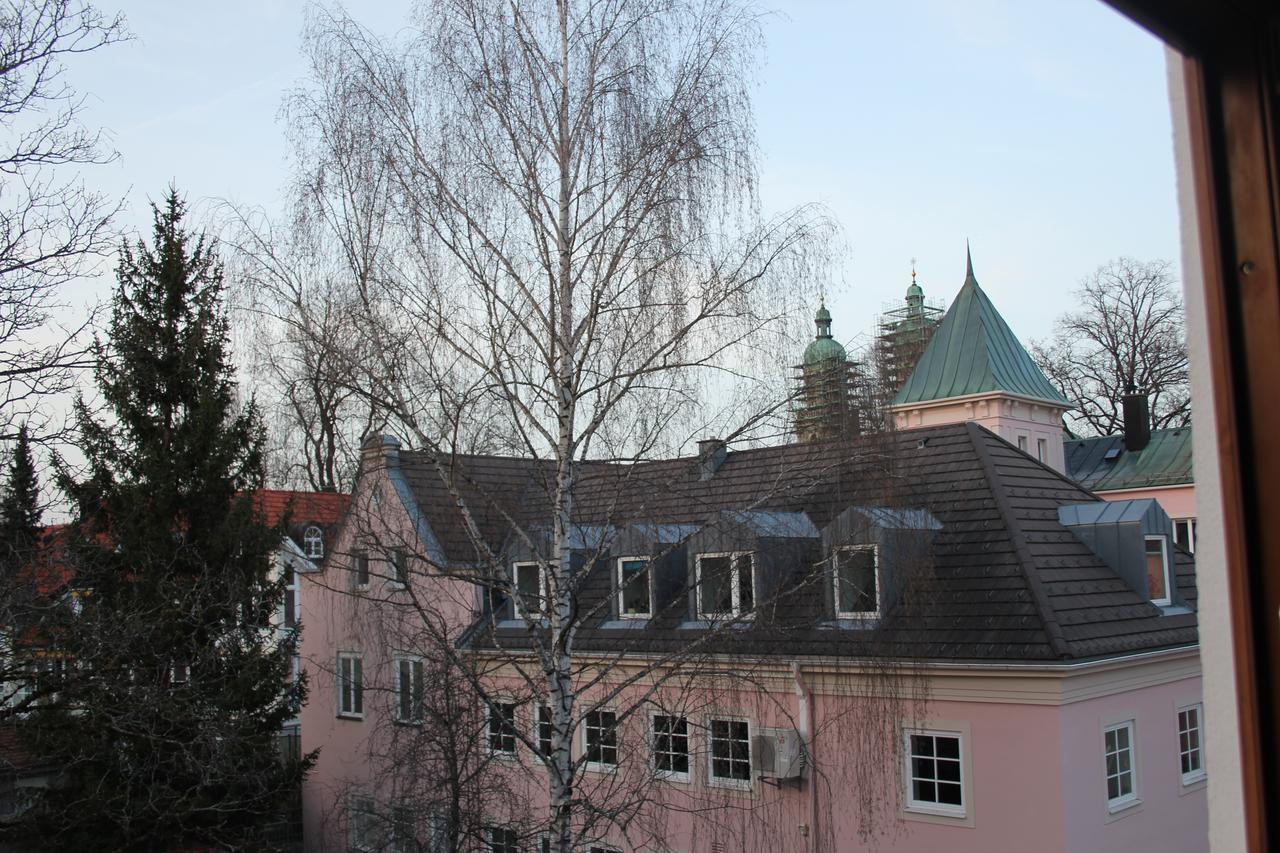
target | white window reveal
x=856, y=582
x=1190, y=750
x=502, y=728
x=1117, y=750
x=531, y=590
x=1158, y=571
x=1022, y=443
x=313, y=543
x=409, y=689
x=1042, y=449
x=726, y=585
x=730, y=753
x=543, y=733
x=1184, y=533
x=670, y=739
x=935, y=776
x=634, y=601
x=350, y=685
x=601, y=734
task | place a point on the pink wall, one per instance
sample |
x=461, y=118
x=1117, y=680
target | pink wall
x=1177, y=501
x=1007, y=416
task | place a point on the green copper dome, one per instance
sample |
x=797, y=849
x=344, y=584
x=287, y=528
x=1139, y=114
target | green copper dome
x=823, y=347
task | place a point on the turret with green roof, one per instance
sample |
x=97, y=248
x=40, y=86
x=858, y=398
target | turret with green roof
x=826, y=408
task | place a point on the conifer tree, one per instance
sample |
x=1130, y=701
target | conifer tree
x=166, y=726
x=20, y=507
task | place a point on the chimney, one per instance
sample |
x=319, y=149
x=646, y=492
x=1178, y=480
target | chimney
x=711, y=455
x=379, y=451
x=1137, y=419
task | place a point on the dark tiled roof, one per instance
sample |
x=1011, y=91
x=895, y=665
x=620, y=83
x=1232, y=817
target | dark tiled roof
x=1006, y=580
x=1165, y=461
x=304, y=509
x=973, y=352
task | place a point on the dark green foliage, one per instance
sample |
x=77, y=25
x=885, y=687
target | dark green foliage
x=167, y=724
x=19, y=508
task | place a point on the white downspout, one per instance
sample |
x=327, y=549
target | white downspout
x=807, y=716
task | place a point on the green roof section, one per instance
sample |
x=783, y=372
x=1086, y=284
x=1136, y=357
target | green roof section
x=975, y=352
x=823, y=348
x=1103, y=464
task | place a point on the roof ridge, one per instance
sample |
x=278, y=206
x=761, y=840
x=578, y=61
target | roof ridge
x=1048, y=617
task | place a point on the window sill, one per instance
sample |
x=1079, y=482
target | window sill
x=626, y=623
x=503, y=755
x=672, y=776
x=936, y=811
x=850, y=622
x=744, y=785
x=1121, y=807
x=702, y=623
x=1193, y=783
x=355, y=718
x=410, y=723
x=603, y=769
x=1173, y=610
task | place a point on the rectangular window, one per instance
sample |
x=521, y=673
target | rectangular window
x=1117, y=748
x=400, y=567
x=1190, y=752
x=363, y=822
x=409, y=690
x=350, y=685
x=1184, y=533
x=360, y=570
x=633, y=588
x=1022, y=443
x=290, y=597
x=1158, y=570
x=502, y=728
x=601, y=733
x=503, y=840
x=544, y=730
x=855, y=581
x=403, y=830
x=726, y=585
x=531, y=590
x=934, y=777
x=1042, y=449
x=671, y=746
x=731, y=753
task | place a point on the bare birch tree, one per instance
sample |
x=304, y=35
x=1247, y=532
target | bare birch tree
x=1128, y=333
x=51, y=226
x=553, y=248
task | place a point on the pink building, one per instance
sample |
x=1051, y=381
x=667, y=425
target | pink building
x=930, y=639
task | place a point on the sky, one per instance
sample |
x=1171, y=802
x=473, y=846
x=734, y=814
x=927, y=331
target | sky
x=1038, y=132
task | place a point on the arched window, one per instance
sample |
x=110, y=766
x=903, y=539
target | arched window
x=313, y=542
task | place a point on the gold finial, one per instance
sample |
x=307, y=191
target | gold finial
x=913, y=270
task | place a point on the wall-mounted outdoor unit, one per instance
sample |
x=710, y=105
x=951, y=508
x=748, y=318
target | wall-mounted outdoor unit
x=778, y=754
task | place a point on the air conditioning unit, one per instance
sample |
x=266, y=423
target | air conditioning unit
x=778, y=754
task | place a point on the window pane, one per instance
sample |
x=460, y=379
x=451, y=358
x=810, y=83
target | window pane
x=528, y=588
x=949, y=793
x=856, y=580
x=544, y=729
x=715, y=590
x=634, y=582
x=746, y=583
x=1156, y=570
x=406, y=690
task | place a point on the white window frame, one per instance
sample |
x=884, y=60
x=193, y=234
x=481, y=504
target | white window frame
x=488, y=729
x=537, y=727
x=1168, y=574
x=358, y=582
x=602, y=766
x=398, y=562
x=735, y=585
x=1122, y=801
x=931, y=807
x=620, y=579
x=515, y=590
x=671, y=775
x=835, y=582
x=1042, y=450
x=713, y=780
x=363, y=835
x=290, y=608
x=350, y=686
x=1199, y=773
x=1023, y=441
x=313, y=542
x=1190, y=523
x=397, y=676
x=492, y=843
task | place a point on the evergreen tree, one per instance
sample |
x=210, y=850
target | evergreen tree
x=19, y=508
x=166, y=725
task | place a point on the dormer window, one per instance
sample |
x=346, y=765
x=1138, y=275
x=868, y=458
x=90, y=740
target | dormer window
x=857, y=587
x=634, y=601
x=531, y=590
x=726, y=585
x=1158, y=588
x=313, y=543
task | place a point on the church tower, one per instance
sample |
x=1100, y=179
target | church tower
x=826, y=407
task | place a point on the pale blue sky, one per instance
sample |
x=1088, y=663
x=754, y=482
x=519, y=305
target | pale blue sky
x=1039, y=131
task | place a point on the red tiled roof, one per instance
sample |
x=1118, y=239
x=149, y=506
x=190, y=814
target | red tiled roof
x=323, y=508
